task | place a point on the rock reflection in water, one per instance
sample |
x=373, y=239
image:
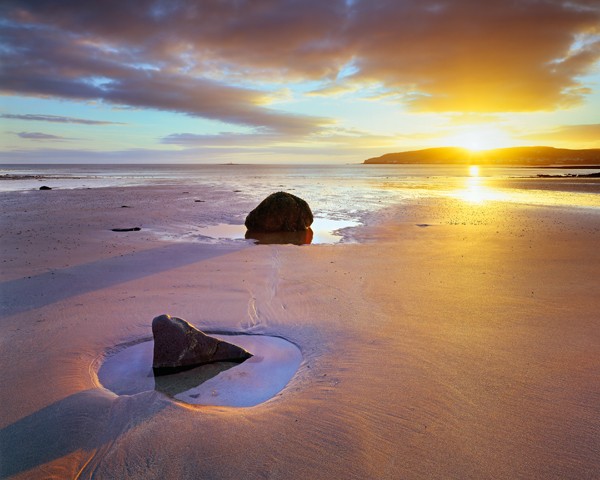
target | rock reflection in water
x=322, y=231
x=303, y=237
x=182, y=381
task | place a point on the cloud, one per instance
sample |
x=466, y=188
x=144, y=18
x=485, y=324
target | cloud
x=57, y=119
x=39, y=136
x=463, y=56
x=216, y=59
x=262, y=35
x=329, y=138
x=223, y=139
x=48, y=62
x=587, y=135
x=207, y=155
x=471, y=118
x=333, y=89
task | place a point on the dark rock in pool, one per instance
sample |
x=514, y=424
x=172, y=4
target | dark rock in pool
x=45, y=187
x=280, y=212
x=181, y=346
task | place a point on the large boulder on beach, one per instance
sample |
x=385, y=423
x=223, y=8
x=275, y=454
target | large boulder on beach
x=179, y=345
x=280, y=212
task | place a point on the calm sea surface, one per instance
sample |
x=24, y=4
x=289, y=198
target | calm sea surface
x=345, y=191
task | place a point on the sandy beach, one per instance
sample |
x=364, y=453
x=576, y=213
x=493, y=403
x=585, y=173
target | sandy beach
x=448, y=339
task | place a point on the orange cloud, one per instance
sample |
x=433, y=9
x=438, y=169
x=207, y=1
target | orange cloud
x=472, y=56
x=587, y=135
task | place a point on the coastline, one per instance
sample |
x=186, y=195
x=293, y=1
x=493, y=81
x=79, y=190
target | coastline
x=452, y=340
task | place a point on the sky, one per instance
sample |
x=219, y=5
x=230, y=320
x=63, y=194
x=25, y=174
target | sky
x=293, y=81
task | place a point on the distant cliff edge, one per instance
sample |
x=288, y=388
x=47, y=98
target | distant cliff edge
x=533, y=156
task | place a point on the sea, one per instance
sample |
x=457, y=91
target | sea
x=344, y=192
x=341, y=196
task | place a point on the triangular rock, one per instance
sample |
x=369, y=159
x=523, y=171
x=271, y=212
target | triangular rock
x=179, y=346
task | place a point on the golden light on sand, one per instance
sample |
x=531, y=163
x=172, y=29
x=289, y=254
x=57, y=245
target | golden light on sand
x=474, y=170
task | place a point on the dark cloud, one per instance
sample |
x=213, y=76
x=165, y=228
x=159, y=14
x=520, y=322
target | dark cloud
x=39, y=136
x=47, y=61
x=192, y=56
x=283, y=35
x=57, y=119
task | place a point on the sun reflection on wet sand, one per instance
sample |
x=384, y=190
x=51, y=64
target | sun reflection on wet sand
x=475, y=190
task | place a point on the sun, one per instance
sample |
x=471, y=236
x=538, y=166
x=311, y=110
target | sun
x=480, y=137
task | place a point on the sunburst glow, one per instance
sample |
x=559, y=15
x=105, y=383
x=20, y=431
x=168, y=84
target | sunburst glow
x=478, y=137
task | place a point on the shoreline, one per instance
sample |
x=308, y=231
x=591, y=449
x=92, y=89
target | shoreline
x=571, y=175
x=455, y=339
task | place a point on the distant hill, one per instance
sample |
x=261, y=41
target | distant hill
x=528, y=156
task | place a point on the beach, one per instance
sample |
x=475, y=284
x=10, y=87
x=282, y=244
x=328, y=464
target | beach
x=446, y=336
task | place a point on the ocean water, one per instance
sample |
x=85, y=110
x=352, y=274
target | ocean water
x=343, y=192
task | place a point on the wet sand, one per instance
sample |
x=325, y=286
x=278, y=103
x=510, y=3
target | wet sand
x=453, y=340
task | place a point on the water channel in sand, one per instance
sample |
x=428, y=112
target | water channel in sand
x=274, y=362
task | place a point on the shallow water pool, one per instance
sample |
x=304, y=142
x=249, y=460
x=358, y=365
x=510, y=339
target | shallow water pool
x=274, y=362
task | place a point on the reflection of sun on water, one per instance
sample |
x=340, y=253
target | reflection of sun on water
x=475, y=190
x=474, y=170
